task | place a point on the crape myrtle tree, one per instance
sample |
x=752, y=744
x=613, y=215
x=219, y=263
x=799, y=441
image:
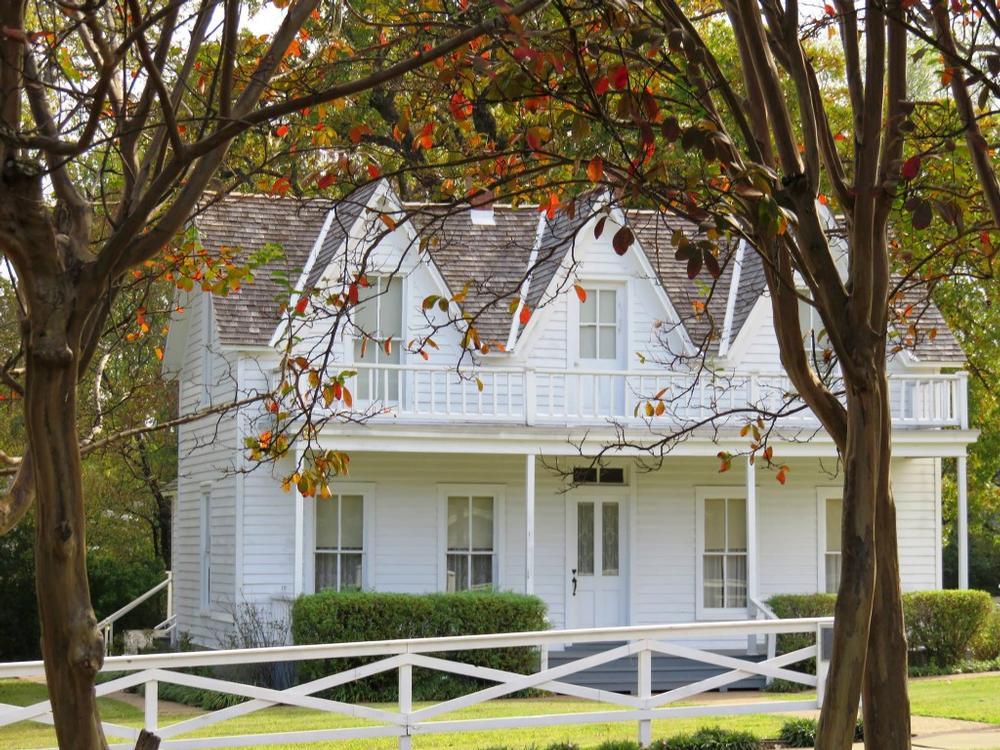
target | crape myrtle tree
x=644, y=99
x=108, y=140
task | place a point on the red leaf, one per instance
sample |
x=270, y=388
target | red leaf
x=352, y=294
x=601, y=87
x=599, y=227
x=460, y=106
x=300, y=306
x=282, y=131
x=580, y=292
x=525, y=315
x=622, y=240
x=373, y=171
x=619, y=77
x=325, y=181
x=911, y=168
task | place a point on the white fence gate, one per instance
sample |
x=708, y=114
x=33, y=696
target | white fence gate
x=684, y=641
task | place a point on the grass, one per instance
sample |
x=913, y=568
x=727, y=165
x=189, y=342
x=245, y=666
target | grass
x=969, y=698
x=972, y=698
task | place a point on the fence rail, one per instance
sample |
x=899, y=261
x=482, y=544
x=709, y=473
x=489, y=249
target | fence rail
x=683, y=640
x=567, y=396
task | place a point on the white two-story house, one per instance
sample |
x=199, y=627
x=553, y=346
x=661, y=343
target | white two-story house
x=477, y=471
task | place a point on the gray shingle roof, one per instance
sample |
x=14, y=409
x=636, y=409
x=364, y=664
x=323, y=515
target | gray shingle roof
x=249, y=222
x=493, y=260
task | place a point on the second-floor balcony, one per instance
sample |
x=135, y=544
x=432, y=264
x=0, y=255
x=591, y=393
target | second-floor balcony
x=424, y=393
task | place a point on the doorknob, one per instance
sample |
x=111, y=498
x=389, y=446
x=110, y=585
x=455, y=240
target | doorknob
x=574, y=581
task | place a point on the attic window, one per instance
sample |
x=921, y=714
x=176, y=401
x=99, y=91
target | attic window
x=598, y=475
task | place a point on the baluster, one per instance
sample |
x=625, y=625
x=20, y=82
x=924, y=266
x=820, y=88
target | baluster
x=493, y=385
x=447, y=393
x=405, y=704
x=151, y=705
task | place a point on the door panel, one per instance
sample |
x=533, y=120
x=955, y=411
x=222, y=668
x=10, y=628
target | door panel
x=597, y=583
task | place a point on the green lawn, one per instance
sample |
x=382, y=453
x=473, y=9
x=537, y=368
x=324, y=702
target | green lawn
x=971, y=698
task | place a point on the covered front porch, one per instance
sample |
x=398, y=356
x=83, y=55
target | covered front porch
x=630, y=543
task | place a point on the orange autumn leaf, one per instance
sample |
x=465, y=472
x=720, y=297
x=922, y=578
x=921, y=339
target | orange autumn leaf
x=525, y=315
x=595, y=169
x=580, y=292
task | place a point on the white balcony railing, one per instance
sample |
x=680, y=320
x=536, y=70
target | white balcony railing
x=421, y=392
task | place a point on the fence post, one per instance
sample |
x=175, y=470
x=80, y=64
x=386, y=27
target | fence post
x=151, y=703
x=645, y=691
x=824, y=645
x=406, y=704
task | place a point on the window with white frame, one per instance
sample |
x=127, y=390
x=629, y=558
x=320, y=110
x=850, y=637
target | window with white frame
x=379, y=321
x=340, y=542
x=205, y=547
x=833, y=507
x=471, y=551
x=599, y=324
x=724, y=553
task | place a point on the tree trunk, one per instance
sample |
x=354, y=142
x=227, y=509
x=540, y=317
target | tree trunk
x=71, y=644
x=854, y=599
x=886, y=703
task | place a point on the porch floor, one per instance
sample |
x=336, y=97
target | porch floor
x=668, y=673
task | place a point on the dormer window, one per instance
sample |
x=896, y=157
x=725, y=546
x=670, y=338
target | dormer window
x=378, y=319
x=599, y=325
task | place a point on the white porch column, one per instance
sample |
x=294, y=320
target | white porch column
x=529, y=524
x=751, y=476
x=963, y=523
x=298, y=579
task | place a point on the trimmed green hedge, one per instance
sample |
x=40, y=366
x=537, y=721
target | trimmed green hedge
x=943, y=625
x=987, y=644
x=343, y=617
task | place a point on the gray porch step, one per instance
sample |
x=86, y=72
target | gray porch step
x=669, y=672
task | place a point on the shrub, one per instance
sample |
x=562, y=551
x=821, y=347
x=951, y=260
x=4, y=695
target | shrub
x=986, y=646
x=618, y=745
x=802, y=732
x=114, y=583
x=798, y=733
x=332, y=617
x=710, y=738
x=944, y=624
x=788, y=606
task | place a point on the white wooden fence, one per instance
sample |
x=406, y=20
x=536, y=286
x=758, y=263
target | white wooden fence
x=685, y=641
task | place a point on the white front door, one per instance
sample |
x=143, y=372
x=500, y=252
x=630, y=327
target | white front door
x=596, y=557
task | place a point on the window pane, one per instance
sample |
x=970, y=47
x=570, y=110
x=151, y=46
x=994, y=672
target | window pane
x=832, y=572
x=834, y=511
x=458, y=573
x=607, y=343
x=736, y=581
x=737, y=523
x=713, y=581
x=588, y=308
x=482, y=524
x=585, y=539
x=588, y=342
x=715, y=525
x=326, y=572
x=391, y=308
x=482, y=571
x=352, y=522
x=326, y=523
x=458, y=523
x=366, y=312
x=350, y=572
x=609, y=548
x=607, y=309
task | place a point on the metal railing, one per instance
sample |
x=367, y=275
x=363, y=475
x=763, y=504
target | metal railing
x=107, y=625
x=686, y=641
x=420, y=392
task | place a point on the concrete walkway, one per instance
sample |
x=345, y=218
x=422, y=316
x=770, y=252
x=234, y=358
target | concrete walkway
x=952, y=734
